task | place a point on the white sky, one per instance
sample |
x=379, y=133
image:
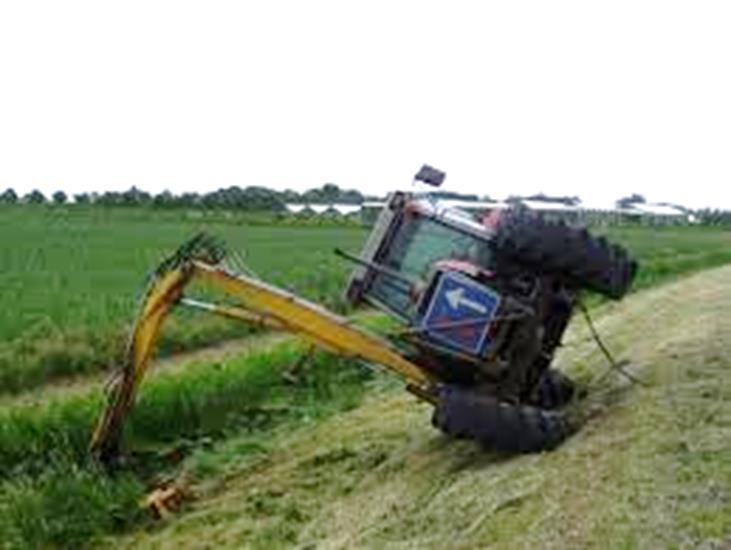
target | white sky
x=581, y=98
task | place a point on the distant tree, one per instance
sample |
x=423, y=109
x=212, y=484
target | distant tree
x=189, y=200
x=110, y=198
x=35, y=197
x=230, y=197
x=708, y=216
x=290, y=196
x=330, y=194
x=163, y=200
x=627, y=202
x=257, y=198
x=59, y=197
x=9, y=196
x=210, y=200
x=82, y=198
x=315, y=196
x=350, y=196
x=251, y=198
x=261, y=198
x=135, y=197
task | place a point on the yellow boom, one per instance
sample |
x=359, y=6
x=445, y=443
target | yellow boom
x=262, y=304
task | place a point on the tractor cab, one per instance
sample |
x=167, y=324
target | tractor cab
x=431, y=267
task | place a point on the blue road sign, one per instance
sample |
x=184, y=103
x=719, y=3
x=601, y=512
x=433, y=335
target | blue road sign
x=460, y=313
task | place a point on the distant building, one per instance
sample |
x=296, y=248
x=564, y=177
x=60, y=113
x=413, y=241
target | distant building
x=645, y=213
x=295, y=208
x=657, y=214
x=337, y=209
x=346, y=209
x=474, y=207
x=553, y=209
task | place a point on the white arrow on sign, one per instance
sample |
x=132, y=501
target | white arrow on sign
x=456, y=298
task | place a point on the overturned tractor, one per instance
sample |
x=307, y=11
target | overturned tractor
x=483, y=306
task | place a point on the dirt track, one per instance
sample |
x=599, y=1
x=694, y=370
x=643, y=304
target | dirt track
x=95, y=382
x=651, y=467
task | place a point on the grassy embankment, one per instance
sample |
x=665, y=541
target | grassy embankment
x=650, y=468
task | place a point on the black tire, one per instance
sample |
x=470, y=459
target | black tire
x=525, y=238
x=466, y=414
x=553, y=390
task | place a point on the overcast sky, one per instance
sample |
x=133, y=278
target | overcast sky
x=580, y=98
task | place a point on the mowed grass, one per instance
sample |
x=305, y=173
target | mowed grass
x=650, y=468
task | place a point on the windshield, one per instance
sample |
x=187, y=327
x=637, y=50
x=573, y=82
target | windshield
x=418, y=245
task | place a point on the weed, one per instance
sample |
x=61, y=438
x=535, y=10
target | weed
x=52, y=495
x=66, y=507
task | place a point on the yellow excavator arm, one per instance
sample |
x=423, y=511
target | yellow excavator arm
x=261, y=304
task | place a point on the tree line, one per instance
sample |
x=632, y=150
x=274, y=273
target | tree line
x=713, y=216
x=247, y=198
x=256, y=198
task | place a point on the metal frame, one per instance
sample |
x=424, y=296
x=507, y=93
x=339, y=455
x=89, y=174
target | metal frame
x=382, y=236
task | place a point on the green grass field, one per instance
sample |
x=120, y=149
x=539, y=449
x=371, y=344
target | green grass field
x=69, y=279
x=666, y=252
x=84, y=268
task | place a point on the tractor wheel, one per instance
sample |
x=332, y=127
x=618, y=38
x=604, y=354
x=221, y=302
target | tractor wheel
x=527, y=239
x=553, y=391
x=466, y=414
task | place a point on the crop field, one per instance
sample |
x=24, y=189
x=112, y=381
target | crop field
x=666, y=252
x=68, y=285
x=70, y=281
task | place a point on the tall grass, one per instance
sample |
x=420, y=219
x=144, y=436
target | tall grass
x=69, y=279
x=79, y=269
x=46, y=353
x=43, y=450
x=203, y=400
x=668, y=252
x=67, y=506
